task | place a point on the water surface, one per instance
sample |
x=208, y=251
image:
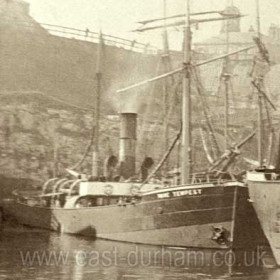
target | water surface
x=36, y=254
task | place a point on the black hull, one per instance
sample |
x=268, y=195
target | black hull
x=180, y=221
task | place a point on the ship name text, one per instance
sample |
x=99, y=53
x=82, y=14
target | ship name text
x=180, y=193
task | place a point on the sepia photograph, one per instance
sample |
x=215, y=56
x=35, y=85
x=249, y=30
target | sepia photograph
x=139, y=139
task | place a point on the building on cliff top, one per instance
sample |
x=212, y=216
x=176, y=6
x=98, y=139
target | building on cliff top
x=241, y=63
x=239, y=39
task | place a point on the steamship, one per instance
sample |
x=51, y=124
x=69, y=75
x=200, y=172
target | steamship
x=201, y=211
x=205, y=214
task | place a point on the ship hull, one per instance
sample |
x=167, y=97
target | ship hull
x=182, y=221
x=265, y=197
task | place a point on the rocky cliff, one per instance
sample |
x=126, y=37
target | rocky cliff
x=47, y=92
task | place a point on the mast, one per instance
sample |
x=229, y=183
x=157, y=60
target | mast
x=186, y=157
x=164, y=34
x=260, y=96
x=186, y=142
x=226, y=78
x=165, y=57
x=98, y=76
x=258, y=19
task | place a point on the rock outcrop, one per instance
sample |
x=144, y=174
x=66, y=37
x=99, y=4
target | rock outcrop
x=47, y=93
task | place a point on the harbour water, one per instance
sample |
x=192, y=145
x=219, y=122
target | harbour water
x=36, y=254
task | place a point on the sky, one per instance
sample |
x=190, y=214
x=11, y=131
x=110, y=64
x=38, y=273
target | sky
x=119, y=17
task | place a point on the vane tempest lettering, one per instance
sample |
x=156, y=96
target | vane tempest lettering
x=187, y=192
x=180, y=193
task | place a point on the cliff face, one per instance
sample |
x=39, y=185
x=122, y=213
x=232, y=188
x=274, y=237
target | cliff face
x=33, y=59
x=40, y=136
x=65, y=68
x=31, y=133
x=47, y=90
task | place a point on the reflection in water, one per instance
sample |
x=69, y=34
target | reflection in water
x=34, y=254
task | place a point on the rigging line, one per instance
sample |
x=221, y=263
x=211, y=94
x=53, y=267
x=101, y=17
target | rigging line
x=167, y=66
x=205, y=148
x=158, y=123
x=192, y=21
x=219, y=89
x=175, y=89
x=263, y=94
x=165, y=156
x=87, y=150
x=49, y=97
x=268, y=115
x=155, y=139
x=233, y=97
x=181, y=69
x=179, y=15
x=200, y=86
x=270, y=146
x=150, y=102
x=206, y=111
x=271, y=134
